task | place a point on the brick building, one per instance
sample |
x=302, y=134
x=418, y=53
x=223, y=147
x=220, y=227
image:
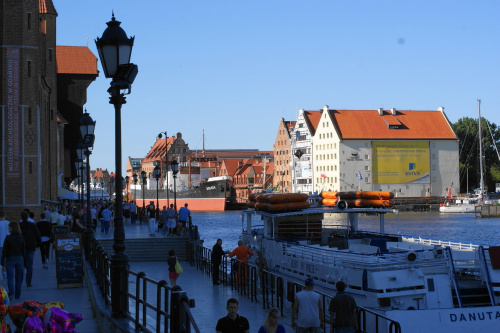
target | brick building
x=35, y=146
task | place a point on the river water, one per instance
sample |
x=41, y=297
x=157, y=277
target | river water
x=435, y=225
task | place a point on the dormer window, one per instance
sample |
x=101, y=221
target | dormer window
x=392, y=122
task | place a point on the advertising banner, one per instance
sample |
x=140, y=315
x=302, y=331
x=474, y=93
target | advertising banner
x=400, y=162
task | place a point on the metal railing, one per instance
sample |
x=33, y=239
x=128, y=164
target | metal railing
x=169, y=311
x=270, y=289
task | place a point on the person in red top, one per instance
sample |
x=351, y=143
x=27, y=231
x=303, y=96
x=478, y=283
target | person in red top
x=242, y=253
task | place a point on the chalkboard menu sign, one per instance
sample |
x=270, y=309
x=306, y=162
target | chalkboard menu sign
x=69, y=265
x=60, y=230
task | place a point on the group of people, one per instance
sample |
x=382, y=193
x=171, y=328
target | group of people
x=168, y=221
x=307, y=312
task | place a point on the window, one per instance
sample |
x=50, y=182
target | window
x=366, y=167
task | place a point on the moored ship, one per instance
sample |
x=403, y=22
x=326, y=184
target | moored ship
x=211, y=194
x=421, y=285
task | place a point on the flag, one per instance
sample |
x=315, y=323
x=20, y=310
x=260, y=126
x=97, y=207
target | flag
x=359, y=175
x=323, y=175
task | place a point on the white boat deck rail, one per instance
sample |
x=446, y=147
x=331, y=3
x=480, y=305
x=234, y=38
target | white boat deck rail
x=357, y=260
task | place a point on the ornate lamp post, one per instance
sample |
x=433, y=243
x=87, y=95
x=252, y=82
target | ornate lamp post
x=127, y=179
x=157, y=174
x=134, y=177
x=175, y=170
x=166, y=162
x=144, y=181
x=115, y=49
x=87, y=126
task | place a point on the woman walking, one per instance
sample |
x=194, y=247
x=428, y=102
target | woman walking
x=271, y=325
x=171, y=261
x=12, y=261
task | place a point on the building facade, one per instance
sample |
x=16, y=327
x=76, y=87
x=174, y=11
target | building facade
x=282, y=175
x=409, y=153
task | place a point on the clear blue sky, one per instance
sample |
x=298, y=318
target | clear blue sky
x=233, y=68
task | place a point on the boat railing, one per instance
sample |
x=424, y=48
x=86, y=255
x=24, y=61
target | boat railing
x=486, y=275
x=369, y=261
x=433, y=242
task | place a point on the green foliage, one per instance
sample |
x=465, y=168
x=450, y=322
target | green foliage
x=467, y=130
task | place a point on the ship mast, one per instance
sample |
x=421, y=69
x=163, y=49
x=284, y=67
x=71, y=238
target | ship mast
x=481, y=185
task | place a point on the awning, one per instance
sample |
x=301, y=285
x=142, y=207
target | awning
x=65, y=194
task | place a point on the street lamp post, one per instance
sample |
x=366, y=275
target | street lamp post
x=175, y=170
x=134, y=177
x=87, y=126
x=115, y=49
x=157, y=174
x=166, y=162
x=144, y=181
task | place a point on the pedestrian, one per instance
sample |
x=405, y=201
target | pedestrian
x=261, y=264
x=32, y=240
x=342, y=310
x=54, y=217
x=307, y=309
x=4, y=231
x=184, y=216
x=93, y=215
x=45, y=228
x=164, y=218
x=13, y=254
x=171, y=224
x=78, y=224
x=133, y=212
x=106, y=219
x=233, y=322
x=217, y=253
x=63, y=216
x=242, y=253
x=272, y=325
x=126, y=212
x=151, y=212
x=171, y=261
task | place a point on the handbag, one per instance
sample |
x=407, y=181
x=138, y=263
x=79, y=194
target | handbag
x=178, y=267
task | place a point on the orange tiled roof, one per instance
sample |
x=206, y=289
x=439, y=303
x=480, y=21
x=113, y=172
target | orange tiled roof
x=289, y=125
x=368, y=124
x=157, y=152
x=312, y=118
x=46, y=7
x=231, y=165
x=75, y=60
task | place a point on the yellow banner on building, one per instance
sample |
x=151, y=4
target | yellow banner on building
x=399, y=162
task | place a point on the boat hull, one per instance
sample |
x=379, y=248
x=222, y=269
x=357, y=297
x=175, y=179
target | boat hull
x=457, y=209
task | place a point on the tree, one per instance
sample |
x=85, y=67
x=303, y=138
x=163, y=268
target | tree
x=467, y=130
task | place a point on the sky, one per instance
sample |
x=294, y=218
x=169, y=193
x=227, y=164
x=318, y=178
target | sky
x=232, y=69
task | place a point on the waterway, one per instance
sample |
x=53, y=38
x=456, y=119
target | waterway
x=435, y=225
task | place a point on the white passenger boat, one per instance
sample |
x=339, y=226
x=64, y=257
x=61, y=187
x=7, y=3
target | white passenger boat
x=424, y=285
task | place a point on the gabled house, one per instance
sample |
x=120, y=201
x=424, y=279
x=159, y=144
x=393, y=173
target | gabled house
x=409, y=153
x=282, y=175
x=302, y=135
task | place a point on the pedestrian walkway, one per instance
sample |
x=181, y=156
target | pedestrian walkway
x=44, y=289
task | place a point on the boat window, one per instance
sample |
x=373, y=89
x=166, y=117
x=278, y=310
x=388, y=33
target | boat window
x=430, y=284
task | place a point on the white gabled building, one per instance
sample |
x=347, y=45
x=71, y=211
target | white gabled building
x=409, y=153
x=301, y=146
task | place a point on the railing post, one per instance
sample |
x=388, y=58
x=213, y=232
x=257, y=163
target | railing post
x=178, y=316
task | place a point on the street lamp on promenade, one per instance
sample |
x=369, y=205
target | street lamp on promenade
x=134, y=177
x=144, y=181
x=175, y=170
x=157, y=174
x=87, y=126
x=166, y=162
x=127, y=178
x=115, y=49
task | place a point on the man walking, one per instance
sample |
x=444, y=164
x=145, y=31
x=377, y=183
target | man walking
x=217, y=253
x=342, y=311
x=133, y=212
x=106, y=219
x=184, y=215
x=233, y=322
x=32, y=240
x=310, y=312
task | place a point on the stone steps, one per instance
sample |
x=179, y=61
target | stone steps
x=150, y=249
